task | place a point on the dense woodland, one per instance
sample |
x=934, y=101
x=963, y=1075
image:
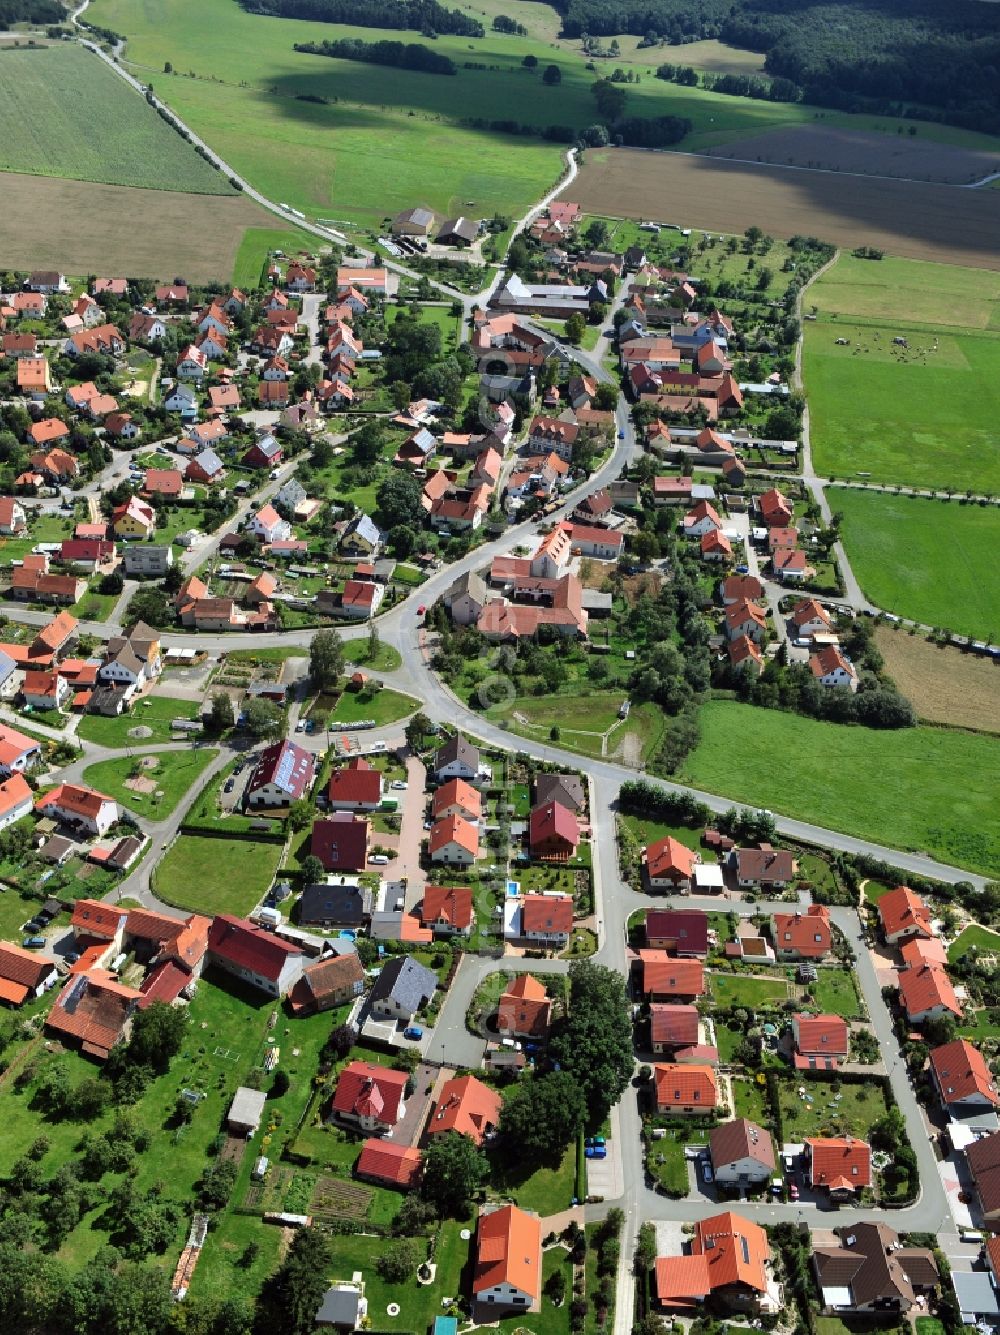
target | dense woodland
x=30, y=11
x=400, y=55
x=425, y=16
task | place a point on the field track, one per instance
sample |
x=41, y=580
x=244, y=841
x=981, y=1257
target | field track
x=916, y=221
x=81, y=227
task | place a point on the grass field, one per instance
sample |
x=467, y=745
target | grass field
x=928, y=560
x=985, y=941
x=945, y=684
x=921, y=415
x=737, y=989
x=67, y=114
x=384, y=706
x=257, y=245
x=379, y=144
x=834, y=993
x=154, y=712
x=83, y=227
x=941, y=800
x=175, y=773
x=209, y=875
x=853, y=1112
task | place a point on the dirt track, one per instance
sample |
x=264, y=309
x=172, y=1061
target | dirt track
x=916, y=221
x=829, y=148
x=81, y=227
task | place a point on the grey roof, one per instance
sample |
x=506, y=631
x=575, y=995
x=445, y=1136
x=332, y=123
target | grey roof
x=7, y=666
x=339, y=1307
x=976, y=1294
x=420, y=216
x=470, y=583
x=406, y=981
x=592, y=600
x=347, y=905
x=365, y=527
x=208, y=460
x=268, y=446
x=566, y=789
x=464, y=228
x=457, y=748
x=126, y=658
x=247, y=1106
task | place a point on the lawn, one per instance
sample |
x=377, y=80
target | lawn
x=154, y=712
x=851, y=1111
x=924, y=559
x=750, y=1100
x=67, y=114
x=834, y=992
x=737, y=989
x=545, y=1190
x=175, y=774
x=383, y=706
x=647, y=831
x=974, y=937
x=256, y=247
x=941, y=801
x=209, y=875
x=921, y=415
x=387, y=659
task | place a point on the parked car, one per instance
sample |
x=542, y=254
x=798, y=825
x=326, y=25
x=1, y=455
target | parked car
x=33, y=942
x=230, y=785
x=413, y=1031
x=706, y=1171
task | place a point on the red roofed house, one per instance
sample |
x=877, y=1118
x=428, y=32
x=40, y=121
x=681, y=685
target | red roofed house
x=453, y=840
x=727, y=1262
x=547, y=919
x=447, y=910
x=508, y=1265
x=95, y=1011
x=467, y=1106
x=685, y=1091
x=802, y=936
x=927, y=993
x=24, y=974
x=370, y=1097
x=283, y=774
x=672, y=1028
x=831, y=668
x=83, y=808
x=667, y=979
x=923, y=950
x=341, y=842
x=821, y=1042
x=669, y=864
x=456, y=798
x=904, y=915
x=553, y=831
x=841, y=1165
x=18, y=753
x=961, y=1075
x=16, y=800
x=704, y=518
x=12, y=517
x=390, y=1164
x=94, y=921
x=682, y=932
x=166, y=482
x=355, y=787
x=259, y=958
x=525, y=1009
x=774, y=509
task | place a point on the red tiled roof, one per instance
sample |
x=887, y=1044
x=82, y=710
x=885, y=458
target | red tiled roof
x=671, y=859
x=25, y=968
x=164, y=982
x=925, y=988
x=547, y=913
x=92, y=917
x=457, y=791
x=840, y=1163
x=807, y=934
x=509, y=1251
x=682, y=1086
x=365, y=1089
x=75, y=798
x=467, y=1106
x=341, y=842
x=93, y=1008
x=686, y=930
x=453, y=829
x=902, y=909
x=399, y=1165
x=676, y=1026
x=553, y=821
x=358, y=783
x=245, y=946
x=664, y=976
x=961, y=1072
x=821, y=1035
x=450, y=903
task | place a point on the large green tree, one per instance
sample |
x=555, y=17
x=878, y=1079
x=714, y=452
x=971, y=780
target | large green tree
x=454, y=1170
x=326, y=659
x=157, y=1035
x=542, y=1115
x=263, y=718
x=292, y=1296
x=593, y=1043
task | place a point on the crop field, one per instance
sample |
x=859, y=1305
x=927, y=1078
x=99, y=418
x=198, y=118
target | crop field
x=83, y=227
x=922, y=413
x=373, y=144
x=864, y=153
x=945, y=684
x=65, y=113
x=917, y=221
x=941, y=800
x=929, y=560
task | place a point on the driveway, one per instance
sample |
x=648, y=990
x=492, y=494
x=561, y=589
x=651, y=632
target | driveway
x=411, y=833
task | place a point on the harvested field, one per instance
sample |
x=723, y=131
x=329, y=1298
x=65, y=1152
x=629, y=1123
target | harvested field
x=944, y=684
x=917, y=221
x=84, y=227
x=864, y=153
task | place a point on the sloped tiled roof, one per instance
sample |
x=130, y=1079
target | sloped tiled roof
x=467, y=1106
x=961, y=1072
x=679, y=1085
x=509, y=1251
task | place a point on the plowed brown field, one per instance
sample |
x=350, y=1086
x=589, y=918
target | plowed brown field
x=946, y=223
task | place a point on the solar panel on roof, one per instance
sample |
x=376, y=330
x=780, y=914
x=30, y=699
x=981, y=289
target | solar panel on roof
x=283, y=777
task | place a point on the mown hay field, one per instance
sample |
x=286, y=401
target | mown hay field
x=66, y=113
x=945, y=684
x=81, y=227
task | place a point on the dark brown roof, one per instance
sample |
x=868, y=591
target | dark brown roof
x=566, y=789
x=741, y=1139
x=871, y=1263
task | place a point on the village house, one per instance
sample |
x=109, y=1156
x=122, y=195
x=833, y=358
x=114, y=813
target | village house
x=456, y=797
x=553, y=831
x=903, y=915
x=763, y=867
x=669, y=864
x=447, y=910
x=508, y=1261
x=284, y=774
x=327, y=983
x=369, y=1097
x=681, y=932
x=742, y=1154
x=802, y=936
x=673, y=1028
x=94, y=1012
x=83, y=809
x=467, y=1106
x=403, y=986
x=841, y=1166
x=454, y=841
x=661, y=977
x=832, y=669
x=525, y=1009
x=926, y=993
x=547, y=919
x=356, y=786
x=870, y=1271
x=24, y=974
x=257, y=957
x=822, y=1042
x=341, y=842
x=962, y=1078
x=683, y=1090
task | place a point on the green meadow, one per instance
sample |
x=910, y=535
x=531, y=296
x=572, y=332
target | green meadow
x=923, y=415
x=65, y=113
x=931, y=561
x=939, y=799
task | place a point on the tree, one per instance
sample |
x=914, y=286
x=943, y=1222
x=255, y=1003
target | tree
x=374, y=643
x=222, y=718
x=399, y=500
x=150, y=605
x=542, y=1115
x=299, y=815
x=593, y=1043
x=326, y=659
x=341, y=1040
x=396, y=1263
x=454, y=1170
x=263, y=718
x=606, y=398
x=157, y=1035
x=416, y=730
x=610, y=99
x=576, y=327
x=111, y=583
x=312, y=870
x=280, y=1084
x=400, y=393
x=552, y=75
x=530, y=62
x=292, y=1296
